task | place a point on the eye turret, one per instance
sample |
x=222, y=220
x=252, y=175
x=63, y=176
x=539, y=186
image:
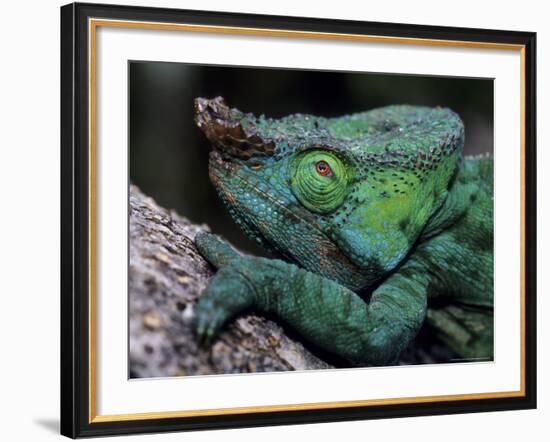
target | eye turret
x=319, y=180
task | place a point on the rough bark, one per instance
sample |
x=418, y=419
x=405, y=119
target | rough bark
x=166, y=276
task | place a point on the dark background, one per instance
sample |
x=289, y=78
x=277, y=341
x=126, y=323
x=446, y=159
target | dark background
x=169, y=154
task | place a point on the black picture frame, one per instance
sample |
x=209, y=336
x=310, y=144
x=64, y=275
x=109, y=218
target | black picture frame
x=75, y=219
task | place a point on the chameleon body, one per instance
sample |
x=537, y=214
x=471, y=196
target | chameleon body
x=379, y=222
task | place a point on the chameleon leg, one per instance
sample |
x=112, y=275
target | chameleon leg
x=323, y=311
x=217, y=251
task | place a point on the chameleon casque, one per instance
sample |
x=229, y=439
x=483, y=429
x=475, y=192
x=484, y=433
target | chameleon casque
x=380, y=224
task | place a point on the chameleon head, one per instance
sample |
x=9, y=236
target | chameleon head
x=343, y=197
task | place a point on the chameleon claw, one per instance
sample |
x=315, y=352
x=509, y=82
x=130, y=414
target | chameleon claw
x=207, y=323
x=200, y=329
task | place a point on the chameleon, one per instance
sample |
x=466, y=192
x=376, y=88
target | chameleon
x=378, y=223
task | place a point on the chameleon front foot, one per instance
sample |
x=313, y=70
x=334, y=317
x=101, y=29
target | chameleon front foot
x=208, y=320
x=227, y=294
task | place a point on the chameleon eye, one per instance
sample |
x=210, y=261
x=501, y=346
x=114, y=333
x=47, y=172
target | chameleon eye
x=319, y=180
x=322, y=168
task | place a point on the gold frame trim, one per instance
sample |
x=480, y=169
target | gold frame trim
x=93, y=24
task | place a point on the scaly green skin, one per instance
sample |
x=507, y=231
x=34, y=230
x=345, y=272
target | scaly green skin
x=375, y=216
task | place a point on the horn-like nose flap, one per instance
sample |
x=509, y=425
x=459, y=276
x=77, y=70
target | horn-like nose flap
x=224, y=128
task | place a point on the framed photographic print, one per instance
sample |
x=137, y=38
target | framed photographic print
x=277, y=220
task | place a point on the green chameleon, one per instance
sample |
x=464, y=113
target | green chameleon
x=380, y=224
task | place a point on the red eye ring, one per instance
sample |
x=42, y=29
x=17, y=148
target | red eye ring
x=322, y=168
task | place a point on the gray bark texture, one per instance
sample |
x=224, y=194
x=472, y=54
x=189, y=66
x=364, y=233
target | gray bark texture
x=166, y=277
